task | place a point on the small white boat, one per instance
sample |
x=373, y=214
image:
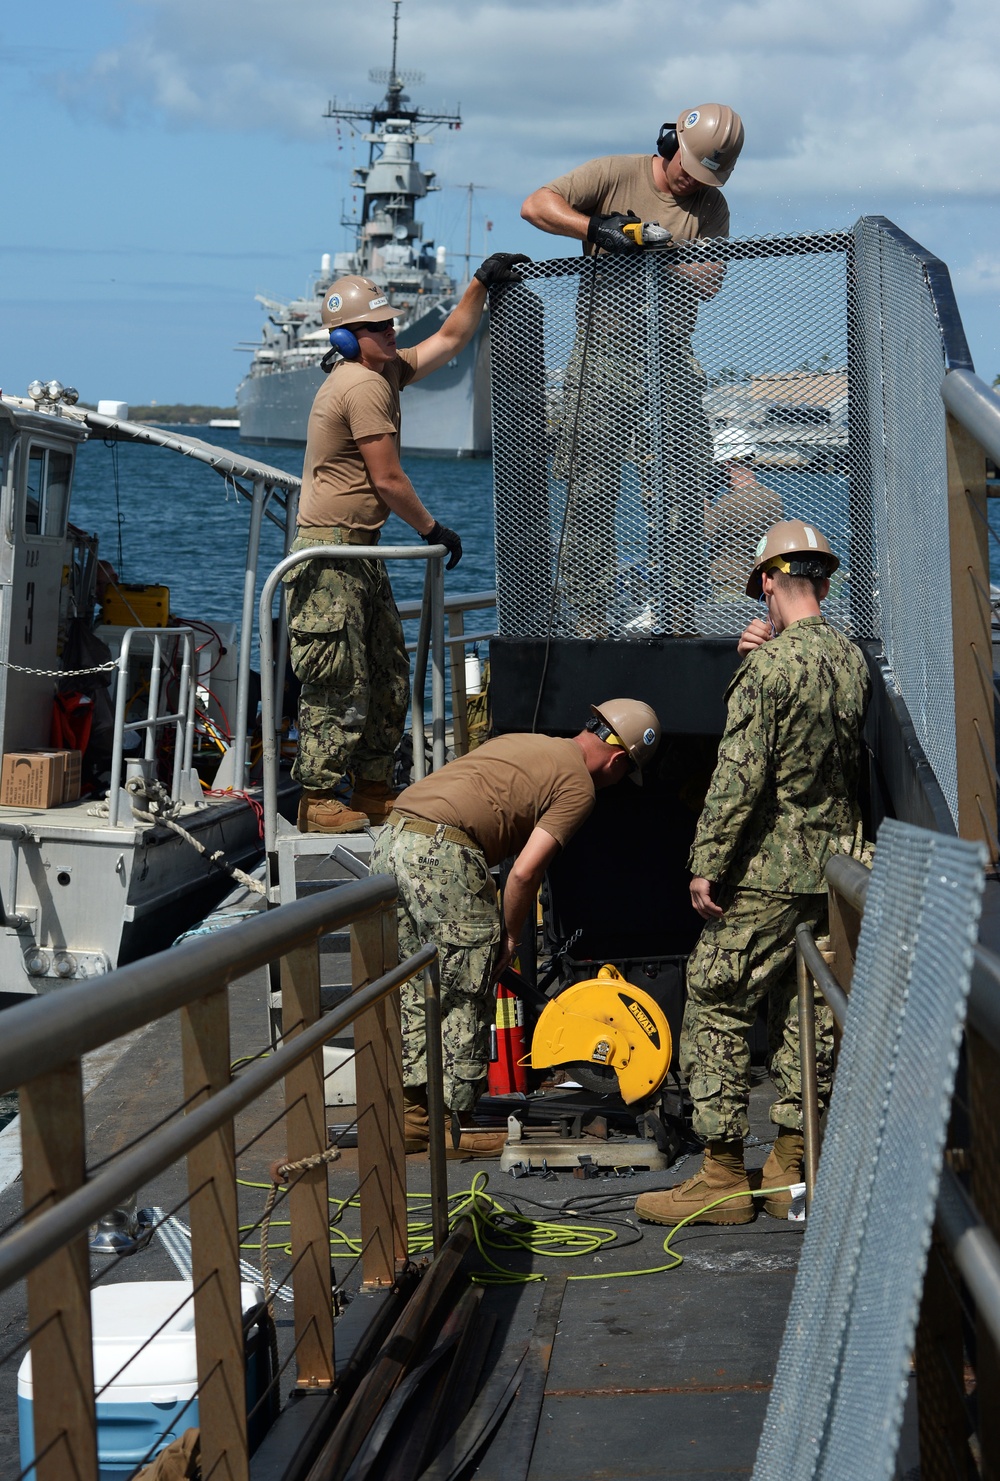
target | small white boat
x=100, y=878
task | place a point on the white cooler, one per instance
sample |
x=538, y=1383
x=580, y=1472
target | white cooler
x=139, y=1413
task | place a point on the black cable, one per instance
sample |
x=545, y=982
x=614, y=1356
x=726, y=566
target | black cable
x=570, y=490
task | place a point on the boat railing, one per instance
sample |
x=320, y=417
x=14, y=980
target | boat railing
x=41, y=1054
x=958, y=1335
x=431, y=641
x=456, y=640
x=180, y=719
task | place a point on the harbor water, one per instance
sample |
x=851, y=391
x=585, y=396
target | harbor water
x=174, y=522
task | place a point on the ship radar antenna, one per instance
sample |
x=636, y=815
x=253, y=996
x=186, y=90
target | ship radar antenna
x=394, y=79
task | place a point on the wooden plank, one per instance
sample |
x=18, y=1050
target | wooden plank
x=307, y=1199
x=971, y=636
x=379, y=1073
x=62, y=1363
x=984, y=1109
x=215, y=1254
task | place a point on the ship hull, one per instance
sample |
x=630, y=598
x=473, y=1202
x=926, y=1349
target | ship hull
x=446, y=415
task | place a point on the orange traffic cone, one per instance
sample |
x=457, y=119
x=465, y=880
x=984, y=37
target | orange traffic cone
x=507, y=1072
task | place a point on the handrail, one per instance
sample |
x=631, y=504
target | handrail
x=26, y=1248
x=184, y=716
x=966, y=1234
x=42, y=1053
x=268, y=697
x=972, y=402
x=50, y=1029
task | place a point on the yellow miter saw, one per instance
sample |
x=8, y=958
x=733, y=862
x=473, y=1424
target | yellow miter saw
x=614, y=1035
x=613, y=1040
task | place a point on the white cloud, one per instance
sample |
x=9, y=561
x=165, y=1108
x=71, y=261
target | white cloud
x=897, y=97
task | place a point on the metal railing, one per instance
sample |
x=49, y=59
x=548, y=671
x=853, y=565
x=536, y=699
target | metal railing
x=431, y=637
x=959, y=1330
x=181, y=718
x=972, y=425
x=455, y=608
x=41, y=1054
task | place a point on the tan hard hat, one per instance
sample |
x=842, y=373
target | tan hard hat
x=637, y=727
x=354, y=301
x=792, y=538
x=710, y=138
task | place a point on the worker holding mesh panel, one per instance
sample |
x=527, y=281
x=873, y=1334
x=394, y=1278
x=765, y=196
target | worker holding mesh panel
x=612, y=413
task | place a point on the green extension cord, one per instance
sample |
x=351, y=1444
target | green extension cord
x=500, y=1230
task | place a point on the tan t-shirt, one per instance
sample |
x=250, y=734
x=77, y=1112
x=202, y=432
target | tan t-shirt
x=352, y=402
x=624, y=182
x=503, y=790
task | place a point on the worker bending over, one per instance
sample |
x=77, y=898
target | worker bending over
x=783, y=798
x=517, y=796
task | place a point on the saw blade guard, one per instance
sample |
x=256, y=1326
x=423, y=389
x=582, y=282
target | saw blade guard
x=607, y=1022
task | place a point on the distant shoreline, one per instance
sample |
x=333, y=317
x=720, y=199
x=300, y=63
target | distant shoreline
x=180, y=414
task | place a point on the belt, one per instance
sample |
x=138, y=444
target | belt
x=432, y=830
x=337, y=535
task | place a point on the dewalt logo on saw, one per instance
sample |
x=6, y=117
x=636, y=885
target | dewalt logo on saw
x=643, y=1019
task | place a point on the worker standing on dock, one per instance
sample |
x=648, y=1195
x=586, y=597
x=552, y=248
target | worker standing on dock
x=783, y=798
x=606, y=415
x=346, y=640
x=517, y=796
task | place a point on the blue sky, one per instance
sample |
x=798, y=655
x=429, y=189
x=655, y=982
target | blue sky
x=166, y=160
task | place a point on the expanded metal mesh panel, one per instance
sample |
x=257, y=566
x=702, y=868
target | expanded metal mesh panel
x=837, y=1401
x=612, y=380
x=899, y=469
x=619, y=383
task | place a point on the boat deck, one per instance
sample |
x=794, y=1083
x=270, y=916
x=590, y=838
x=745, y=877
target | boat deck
x=653, y=1373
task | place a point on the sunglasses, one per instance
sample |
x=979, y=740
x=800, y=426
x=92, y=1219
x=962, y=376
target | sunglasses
x=380, y=327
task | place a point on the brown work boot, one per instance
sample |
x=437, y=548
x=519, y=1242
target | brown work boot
x=784, y=1165
x=377, y=799
x=319, y=812
x=416, y=1127
x=714, y=1180
x=470, y=1141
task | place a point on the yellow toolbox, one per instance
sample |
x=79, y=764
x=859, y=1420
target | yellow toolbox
x=136, y=606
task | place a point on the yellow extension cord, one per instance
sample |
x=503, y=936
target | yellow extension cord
x=501, y=1230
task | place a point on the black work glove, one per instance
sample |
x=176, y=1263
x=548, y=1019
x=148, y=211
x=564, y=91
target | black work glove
x=500, y=268
x=606, y=232
x=441, y=535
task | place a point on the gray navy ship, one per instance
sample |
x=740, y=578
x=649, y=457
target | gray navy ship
x=449, y=413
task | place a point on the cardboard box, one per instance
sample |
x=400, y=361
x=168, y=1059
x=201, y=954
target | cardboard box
x=39, y=778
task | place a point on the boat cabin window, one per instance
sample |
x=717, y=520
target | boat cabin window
x=46, y=503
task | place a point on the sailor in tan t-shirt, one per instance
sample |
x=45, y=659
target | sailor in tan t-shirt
x=520, y=797
x=345, y=637
x=669, y=442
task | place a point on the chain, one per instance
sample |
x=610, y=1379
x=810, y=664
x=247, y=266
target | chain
x=21, y=668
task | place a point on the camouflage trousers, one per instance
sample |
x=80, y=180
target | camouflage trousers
x=746, y=955
x=446, y=895
x=348, y=652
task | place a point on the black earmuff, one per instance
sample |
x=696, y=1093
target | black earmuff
x=346, y=342
x=667, y=144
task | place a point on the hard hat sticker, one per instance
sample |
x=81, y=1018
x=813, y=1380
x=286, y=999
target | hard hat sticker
x=648, y=736
x=760, y=547
x=333, y=302
x=692, y=118
x=377, y=303
x=811, y=537
x=710, y=164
